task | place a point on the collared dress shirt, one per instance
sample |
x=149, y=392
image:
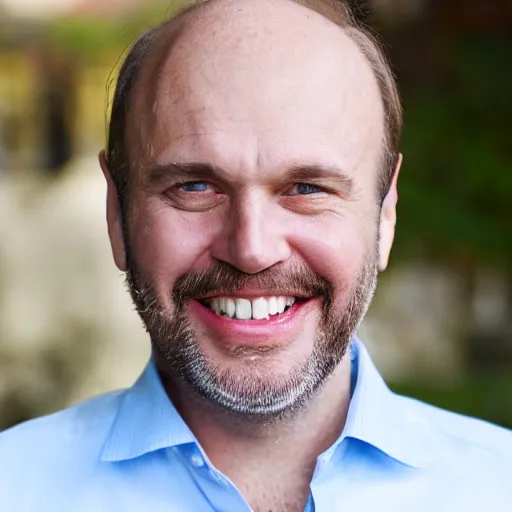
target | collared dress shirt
x=130, y=451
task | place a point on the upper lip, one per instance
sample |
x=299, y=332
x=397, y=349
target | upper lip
x=254, y=293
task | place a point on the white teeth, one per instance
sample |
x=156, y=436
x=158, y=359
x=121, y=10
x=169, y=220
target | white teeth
x=272, y=306
x=215, y=304
x=230, y=308
x=259, y=309
x=243, y=309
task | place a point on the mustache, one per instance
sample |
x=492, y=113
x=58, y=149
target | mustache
x=223, y=279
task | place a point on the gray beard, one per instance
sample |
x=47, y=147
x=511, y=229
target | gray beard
x=244, y=391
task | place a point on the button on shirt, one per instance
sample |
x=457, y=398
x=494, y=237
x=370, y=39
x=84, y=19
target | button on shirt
x=131, y=451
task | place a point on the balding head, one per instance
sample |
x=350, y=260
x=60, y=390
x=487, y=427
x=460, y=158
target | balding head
x=224, y=30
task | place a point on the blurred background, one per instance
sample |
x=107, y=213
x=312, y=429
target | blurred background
x=441, y=325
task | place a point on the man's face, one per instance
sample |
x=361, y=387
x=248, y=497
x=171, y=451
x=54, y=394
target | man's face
x=253, y=228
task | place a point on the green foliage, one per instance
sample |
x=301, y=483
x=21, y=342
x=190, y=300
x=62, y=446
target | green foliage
x=94, y=36
x=456, y=185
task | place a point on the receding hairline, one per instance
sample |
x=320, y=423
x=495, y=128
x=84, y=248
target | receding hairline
x=153, y=62
x=169, y=33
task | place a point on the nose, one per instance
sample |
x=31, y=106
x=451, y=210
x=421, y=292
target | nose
x=254, y=235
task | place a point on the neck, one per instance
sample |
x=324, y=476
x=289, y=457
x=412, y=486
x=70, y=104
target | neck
x=234, y=445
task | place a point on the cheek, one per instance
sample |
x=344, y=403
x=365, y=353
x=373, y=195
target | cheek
x=167, y=243
x=335, y=248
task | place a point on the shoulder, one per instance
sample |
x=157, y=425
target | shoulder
x=463, y=431
x=470, y=460
x=52, y=442
x=53, y=457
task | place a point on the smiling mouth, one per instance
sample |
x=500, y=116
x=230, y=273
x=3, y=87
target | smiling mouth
x=261, y=308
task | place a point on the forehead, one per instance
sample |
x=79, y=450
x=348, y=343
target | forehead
x=257, y=88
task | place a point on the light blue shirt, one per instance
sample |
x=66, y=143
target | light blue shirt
x=131, y=451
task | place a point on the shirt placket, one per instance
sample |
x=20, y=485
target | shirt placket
x=220, y=492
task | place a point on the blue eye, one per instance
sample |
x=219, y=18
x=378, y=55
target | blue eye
x=306, y=189
x=194, y=186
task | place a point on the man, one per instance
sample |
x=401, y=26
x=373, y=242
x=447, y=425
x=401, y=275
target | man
x=252, y=168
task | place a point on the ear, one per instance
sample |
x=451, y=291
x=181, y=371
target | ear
x=114, y=217
x=388, y=219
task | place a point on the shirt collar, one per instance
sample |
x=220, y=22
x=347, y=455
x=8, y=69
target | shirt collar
x=147, y=420
x=380, y=418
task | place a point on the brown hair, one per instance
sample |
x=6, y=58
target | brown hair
x=338, y=11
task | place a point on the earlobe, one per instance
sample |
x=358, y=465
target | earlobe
x=388, y=219
x=114, y=216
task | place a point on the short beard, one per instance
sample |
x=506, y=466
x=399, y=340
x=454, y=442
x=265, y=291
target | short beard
x=243, y=392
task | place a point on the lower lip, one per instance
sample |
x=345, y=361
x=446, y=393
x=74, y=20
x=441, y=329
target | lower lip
x=277, y=328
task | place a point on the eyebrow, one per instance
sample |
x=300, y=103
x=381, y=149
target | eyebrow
x=319, y=172
x=160, y=173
